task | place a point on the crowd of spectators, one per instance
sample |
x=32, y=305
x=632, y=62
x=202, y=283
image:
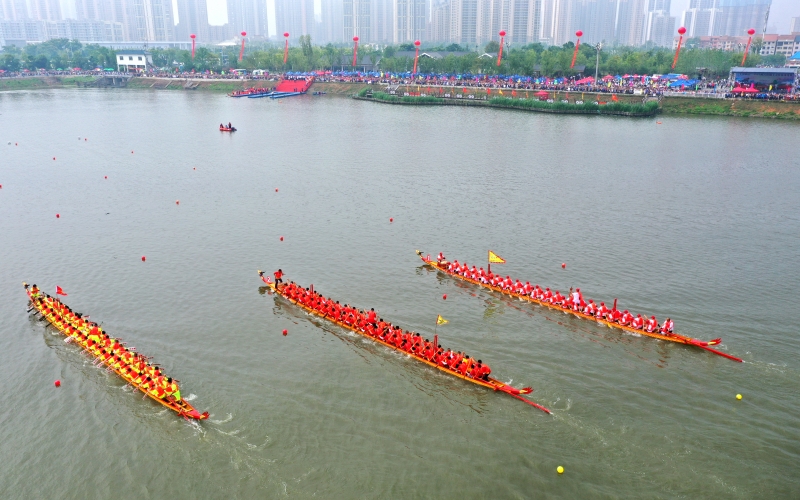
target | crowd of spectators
x=634, y=85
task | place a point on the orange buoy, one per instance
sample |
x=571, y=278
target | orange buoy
x=444, y=297
x=285, y=332
x=281, y=238
x=58, y=216
x=563, y=265
x=144, y=258
x=58, y=383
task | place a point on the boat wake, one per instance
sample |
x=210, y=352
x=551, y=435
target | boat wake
x=227, y=419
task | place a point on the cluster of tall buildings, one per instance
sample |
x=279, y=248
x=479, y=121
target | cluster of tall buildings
x=470, y=23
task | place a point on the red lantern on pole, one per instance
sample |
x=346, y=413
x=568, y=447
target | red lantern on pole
x=681, y=32
x=579, y=34
x=241, y=51
x=500, y=54
x=192, y=36
x=355, y=51
x=750, y=32
x=416, y=56
x=286, y=48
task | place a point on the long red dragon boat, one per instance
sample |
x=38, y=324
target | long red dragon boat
x=671, y=337
x=74, y=328
x=489, y=382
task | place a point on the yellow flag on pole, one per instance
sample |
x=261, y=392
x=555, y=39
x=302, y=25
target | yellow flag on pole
x=440, y=320
x=495, y=259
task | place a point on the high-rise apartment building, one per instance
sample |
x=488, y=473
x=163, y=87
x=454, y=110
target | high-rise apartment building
x=631, y=22
x=332, y=27
x=250, y=16
x=295, y=17
x=659, y=25
x=475, y=22
x=192, y=20
x=45, y=10
x=14, y=10
x=149, y=21
x=524, y=21
x=357, y=16
x=410, y=20
x=724, y=17
x=794, y=25
x=735, y=17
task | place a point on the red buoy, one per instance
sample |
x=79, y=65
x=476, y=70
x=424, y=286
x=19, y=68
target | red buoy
x=177, y=202
x=276, y=190
x=285, y=332
x=144, y=258
x=105, y=177
x=58, y=383
x=391, y=219
x=281, y=238
x=54, y=158
x=85, y=139
x=131, y=152
x=1, y=186
x=563, y=265
x=444, y=297
x=58, y=216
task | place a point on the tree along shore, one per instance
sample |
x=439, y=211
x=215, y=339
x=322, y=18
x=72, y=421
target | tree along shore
x=669, y=104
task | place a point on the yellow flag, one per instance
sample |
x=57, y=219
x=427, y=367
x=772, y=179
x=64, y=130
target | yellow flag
x=440, y=320
x=500, y=91
x=495, y=259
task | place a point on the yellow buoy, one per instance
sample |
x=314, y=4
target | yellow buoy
x=738, y=396
x=560, y=469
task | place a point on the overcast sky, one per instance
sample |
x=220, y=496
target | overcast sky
x=779, y=14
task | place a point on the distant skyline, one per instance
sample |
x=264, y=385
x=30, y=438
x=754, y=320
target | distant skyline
x=779, y=17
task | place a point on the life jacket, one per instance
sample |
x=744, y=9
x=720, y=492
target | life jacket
x=667, y=326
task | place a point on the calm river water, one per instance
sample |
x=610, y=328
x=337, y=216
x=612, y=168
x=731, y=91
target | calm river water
x=697, y=219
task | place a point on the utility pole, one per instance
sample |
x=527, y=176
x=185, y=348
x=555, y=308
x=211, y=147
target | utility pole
x=597, y=63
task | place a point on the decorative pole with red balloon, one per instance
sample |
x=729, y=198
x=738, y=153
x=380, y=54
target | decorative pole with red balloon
x=681, y=32
x=286, y=48
x=750, y=32
x=192, y=36
x=416, y=56
x=579, y=34
x=355, y=51
x=241, y=51
x=500, y=53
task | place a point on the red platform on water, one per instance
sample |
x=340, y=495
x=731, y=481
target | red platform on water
x=299, y=84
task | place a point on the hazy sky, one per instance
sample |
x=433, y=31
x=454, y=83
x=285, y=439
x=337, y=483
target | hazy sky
x=779, y=14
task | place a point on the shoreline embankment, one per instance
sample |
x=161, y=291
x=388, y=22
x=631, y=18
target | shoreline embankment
x=747, y=108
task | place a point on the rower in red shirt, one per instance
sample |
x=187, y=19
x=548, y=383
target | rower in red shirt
x=667, y=327
x=278, y=275
x=626, y=318
x=637, y=322
x=652, y=324
x=601, y=311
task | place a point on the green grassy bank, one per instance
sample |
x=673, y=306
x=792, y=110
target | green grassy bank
x=45, y=82
x=586, y=108
x=731, y=107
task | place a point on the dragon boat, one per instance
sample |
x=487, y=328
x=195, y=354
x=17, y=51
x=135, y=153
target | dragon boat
x=671, y=337
x=182, y=407
x=490, y=383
